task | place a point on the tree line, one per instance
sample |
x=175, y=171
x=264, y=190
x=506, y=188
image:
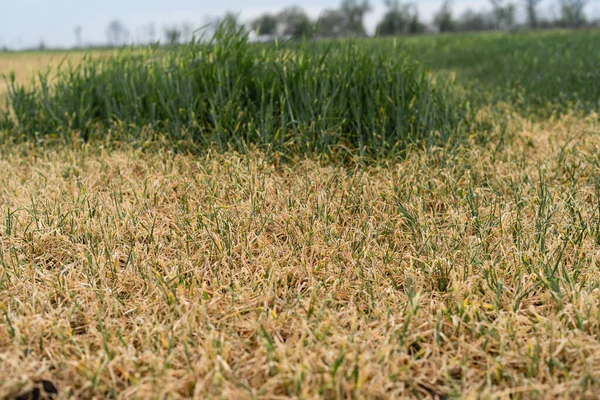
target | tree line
x=400, y=18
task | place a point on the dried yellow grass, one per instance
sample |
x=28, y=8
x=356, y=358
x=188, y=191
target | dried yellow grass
x=135, y=275
x=25, y=65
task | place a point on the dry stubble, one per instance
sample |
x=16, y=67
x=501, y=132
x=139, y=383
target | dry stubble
x=144, y=276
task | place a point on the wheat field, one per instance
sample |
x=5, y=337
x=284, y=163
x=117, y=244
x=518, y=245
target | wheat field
x=26, y=66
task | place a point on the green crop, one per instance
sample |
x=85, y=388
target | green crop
x=230, y=93
x=538, y=72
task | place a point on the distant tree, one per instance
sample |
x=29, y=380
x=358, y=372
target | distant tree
x=332, y=23
x=507, y=17
x=573, y=12
x=172, y=34
x=230, y=21
x=151, y=32
x=295, y=23
x=532, y=18
x=395, y=21
x=416, y=26
x=443, y=19
x=211, y=25
x=187, y=32
x=472, y=21
x=355, y=11
x=399, y=19
x=504, y=14
x=265, y=25
x=117, y=33
x=78, y=36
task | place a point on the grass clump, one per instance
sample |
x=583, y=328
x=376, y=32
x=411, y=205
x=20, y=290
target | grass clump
x=232, y=93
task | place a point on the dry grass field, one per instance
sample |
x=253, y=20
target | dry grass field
x=27, y=64
x=470, y=275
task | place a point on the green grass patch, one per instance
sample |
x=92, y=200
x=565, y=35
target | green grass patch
x=343, y=96
x=537, y=72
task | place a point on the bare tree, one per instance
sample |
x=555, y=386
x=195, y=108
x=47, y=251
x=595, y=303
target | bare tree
x=443, y=19
x=149, y=32
x=532, y=18
x=399, y=19
x=172, y=34
x=504, y=14
x=117, y=33
x=78, y=36
x=573, y=12
x=474, y=21
x=230, y=21
x=355, y=11
x=187, y=32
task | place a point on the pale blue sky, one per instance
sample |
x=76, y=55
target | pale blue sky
x=27, y=22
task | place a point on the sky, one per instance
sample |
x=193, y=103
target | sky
x=27, y=23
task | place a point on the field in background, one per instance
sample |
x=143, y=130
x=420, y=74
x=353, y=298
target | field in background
x=535, y=72
x=239, y=254
x=25, y=65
